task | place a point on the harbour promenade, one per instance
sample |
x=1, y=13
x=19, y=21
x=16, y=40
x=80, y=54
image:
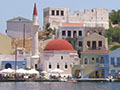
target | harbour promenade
x=59, y=80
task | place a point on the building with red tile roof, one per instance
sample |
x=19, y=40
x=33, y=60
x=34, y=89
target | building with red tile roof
x=59, y=54
x=59, y=45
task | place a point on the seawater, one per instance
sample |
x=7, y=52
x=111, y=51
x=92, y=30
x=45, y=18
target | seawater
x=59, y=86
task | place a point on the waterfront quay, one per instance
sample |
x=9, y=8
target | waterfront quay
x=58, y=80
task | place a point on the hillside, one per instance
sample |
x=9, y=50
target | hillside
x=43, y=40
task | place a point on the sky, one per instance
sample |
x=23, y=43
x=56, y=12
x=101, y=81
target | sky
x=24, y=8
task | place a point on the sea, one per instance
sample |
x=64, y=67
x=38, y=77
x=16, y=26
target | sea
x=59, y=85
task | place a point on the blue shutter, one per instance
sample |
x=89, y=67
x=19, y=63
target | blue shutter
x=118, y=61
x=112, y=60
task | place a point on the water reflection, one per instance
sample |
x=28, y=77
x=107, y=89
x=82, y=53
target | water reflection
x=59, y=86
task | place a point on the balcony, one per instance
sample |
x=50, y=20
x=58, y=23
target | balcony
x=116, y=65
x=101, y=65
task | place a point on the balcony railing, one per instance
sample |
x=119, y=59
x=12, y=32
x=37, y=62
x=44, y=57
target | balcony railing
x=116, y=65
x=101, y=65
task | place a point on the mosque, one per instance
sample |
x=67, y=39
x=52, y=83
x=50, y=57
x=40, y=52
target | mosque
x=58, y=54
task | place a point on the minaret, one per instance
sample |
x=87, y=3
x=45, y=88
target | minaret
x=35, y=56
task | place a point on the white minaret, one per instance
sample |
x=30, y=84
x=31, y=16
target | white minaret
x=35, y=56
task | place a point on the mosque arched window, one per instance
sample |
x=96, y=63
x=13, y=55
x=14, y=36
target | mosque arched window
x=66, y=66
x=58, y=66
x=50, y=66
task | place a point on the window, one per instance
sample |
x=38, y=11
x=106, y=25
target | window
x=69, y=33
x=112, y=60
x=53, y=12
x=93, y=58
x=94, y=46
x=63, y=33
x=100, y=43
x=62, y=13
x=74, y=34
x=118, y=61
x=102, y=60
x=61, y=57
x=97, y=60
x=19, y=19
x=57, y=12
x=80, y=33
x=113, y=73
x=35, y=66
x=80, y=43
x=100, y=33
x=88, y=43
x=92, y=10
x=50, y=66
x=66, y=66
x=85, y=60
x=58, y=66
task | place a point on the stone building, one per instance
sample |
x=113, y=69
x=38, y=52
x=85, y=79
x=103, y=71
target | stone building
x=95, y=42
x=19, y=27
x=75, y=32
x=97, y=17
x=98, y=30
x=58, y=54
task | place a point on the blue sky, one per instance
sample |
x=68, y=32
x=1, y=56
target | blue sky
x=24, y=8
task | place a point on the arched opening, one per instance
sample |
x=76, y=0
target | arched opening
x=86, y=60
x=8, y=65
x=102, y=60
x=77, y=73
x=97, y=74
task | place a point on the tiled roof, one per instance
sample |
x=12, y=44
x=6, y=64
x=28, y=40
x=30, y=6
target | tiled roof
x=72, y=24
x=58, y=45
x=98, y=51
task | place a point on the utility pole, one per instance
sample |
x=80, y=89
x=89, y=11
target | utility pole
x=15, y=58
x=24, y=36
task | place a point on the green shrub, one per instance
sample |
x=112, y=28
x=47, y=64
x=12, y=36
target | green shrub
x=114, y=47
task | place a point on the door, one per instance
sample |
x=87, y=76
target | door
x=93, y=44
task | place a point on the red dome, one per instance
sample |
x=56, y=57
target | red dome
x=59, y=44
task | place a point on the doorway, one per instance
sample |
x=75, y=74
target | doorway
x=8, y=65
x=93, y=44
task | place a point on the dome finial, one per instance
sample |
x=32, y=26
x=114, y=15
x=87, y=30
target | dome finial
x=35, y=10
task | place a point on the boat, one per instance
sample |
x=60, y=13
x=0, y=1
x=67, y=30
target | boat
x=110, y=78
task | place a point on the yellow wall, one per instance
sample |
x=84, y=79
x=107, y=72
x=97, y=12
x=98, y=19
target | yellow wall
x=5, y=44
x=88, y=68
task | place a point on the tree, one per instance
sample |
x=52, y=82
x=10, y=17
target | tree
x=113, y=34
x=115, y=17
x=48, y=29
